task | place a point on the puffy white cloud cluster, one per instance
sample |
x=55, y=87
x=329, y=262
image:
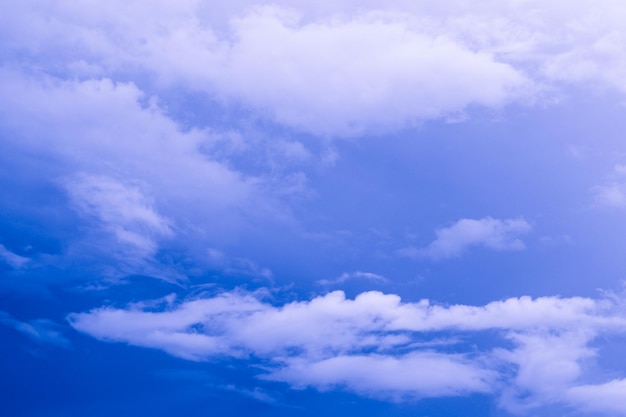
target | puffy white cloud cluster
x=136, y=177
x=345, y=77
x=331, y=69
x=379, y=346
x=452, y=241
x=107, y=128
x=86, y=85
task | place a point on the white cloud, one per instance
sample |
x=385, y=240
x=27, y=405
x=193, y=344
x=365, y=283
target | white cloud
x=610, y=195
x=332, y=69
x=123, y=210
x=613, y=193
x=607, y=397
x=357, y=275
x=548, y=363
x=344, y=77
x=452, y=241
x=381, y=73
x=332, y=76
x=377, y=345
x=414, y=375
x=171, y=331
x=129, y=168
x=102, y=127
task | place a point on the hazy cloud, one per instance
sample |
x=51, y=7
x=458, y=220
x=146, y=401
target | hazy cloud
x=357, y=275
x=120, y=209
x=12, y=259
x=452, y=241
x=41, y=330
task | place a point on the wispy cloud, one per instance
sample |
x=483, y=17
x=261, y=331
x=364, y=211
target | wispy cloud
x=452, y=241
x=170, y=135
x=357, y=275
x=612, y=193
x=234, y=266
x=12, y=259
x=120, y=209
x=42, y=331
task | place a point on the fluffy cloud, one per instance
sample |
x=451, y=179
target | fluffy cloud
x=329, y=77
x=548, y=363
x=101, y=126
x=495, y=234
x=417, y=374
x=331, y=70
x=377, y=345
x=349, y=76
x=607, y=397
x=127, y=168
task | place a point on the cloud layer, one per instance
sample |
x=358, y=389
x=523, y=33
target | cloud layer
x=452, y=241
x=174, y=139
x=379, y=346
x=332, y=70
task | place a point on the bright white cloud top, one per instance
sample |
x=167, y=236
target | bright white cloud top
x=335, y=69
x=379, y=346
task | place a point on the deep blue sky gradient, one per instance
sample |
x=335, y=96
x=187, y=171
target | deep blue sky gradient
x=138, y=175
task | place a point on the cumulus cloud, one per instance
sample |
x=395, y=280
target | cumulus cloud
x=100, y=126
x=548, y=363
x=452, y=241
x=333, y=76
x=332, y=69
x=347, y=77
x=417, y=374
x=607, y=397
x=377, y=345
x=128, y=168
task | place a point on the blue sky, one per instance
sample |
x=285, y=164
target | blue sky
x=312, y=208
